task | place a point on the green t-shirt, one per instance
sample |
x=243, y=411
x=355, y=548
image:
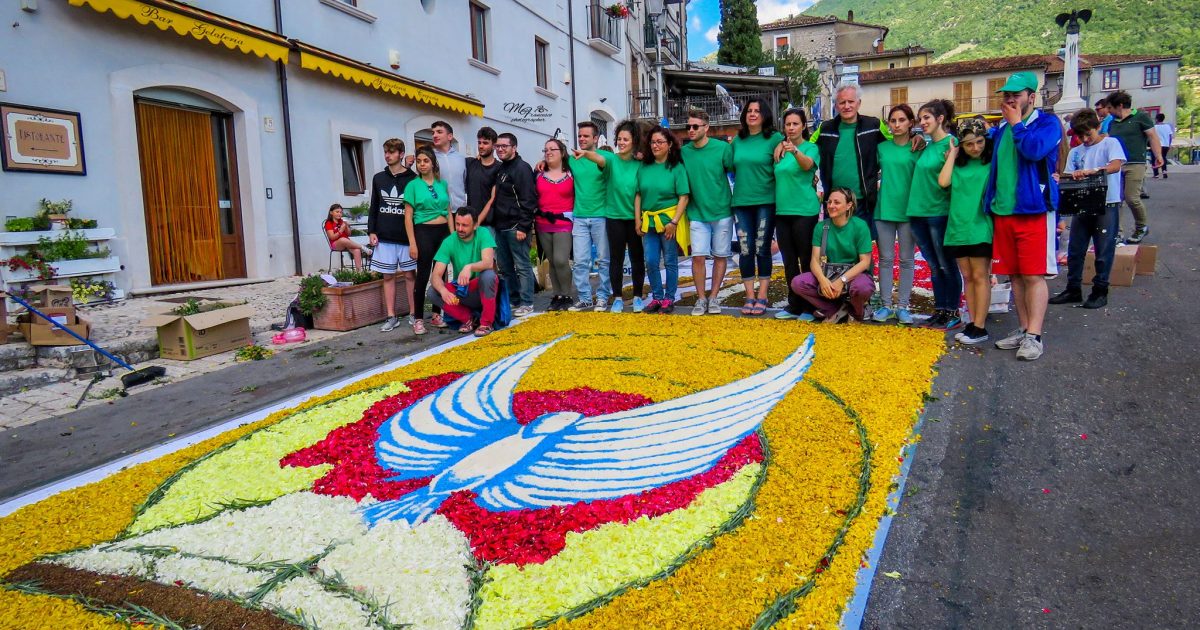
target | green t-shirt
x=795, y=194
x=968, y=223
x=1132, y=133
x=1006, y=173
x=591, y=185
x=845, y=243
x=896, y=163
x=459, y=253
x=845, y=160
x=428, y=202
x=926, y=198
x=754, y=169
x=660, y=186
x=622, y=186
x=706, y=171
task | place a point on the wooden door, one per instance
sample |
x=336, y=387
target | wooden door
x=182, y=194
x=229, y=211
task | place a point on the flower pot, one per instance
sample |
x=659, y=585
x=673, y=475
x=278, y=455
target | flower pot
x=356, y=306
x=66, y=269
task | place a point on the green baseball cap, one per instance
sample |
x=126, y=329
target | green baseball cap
x=1020, y=81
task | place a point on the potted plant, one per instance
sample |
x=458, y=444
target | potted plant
x=619, y=10
x=358, y=213
x=88, y=290
x=357, y=301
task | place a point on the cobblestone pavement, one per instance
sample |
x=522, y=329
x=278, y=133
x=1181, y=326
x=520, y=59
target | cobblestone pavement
x=121, y=321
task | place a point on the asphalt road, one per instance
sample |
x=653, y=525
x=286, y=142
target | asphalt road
x=1012, y=519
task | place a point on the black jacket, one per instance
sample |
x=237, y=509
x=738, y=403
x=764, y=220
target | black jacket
x=868, y=137
x=516, y=196
x=386, y=218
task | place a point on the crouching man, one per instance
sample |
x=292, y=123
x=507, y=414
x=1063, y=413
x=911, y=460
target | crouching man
x=471, y=253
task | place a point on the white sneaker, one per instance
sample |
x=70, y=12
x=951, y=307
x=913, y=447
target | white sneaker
x=714, y=307
x=523, y=311
x=1012, y=340
x=1031, y=349
x=601, y=305
x=391, y=324
x=701, y=307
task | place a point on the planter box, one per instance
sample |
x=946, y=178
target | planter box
x=357, y=306
x=66, y=269
x=13, y=239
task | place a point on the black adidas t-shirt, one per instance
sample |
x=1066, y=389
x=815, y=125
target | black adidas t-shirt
x=386, y=219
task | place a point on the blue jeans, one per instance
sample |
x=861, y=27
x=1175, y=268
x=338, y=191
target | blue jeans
x=930, y=234
x=586, y=233
x=513, y=258
x=755, y=226
x=1100, y=229
x=658, y=247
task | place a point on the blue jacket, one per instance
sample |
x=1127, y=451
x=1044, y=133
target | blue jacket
x=1036, y=142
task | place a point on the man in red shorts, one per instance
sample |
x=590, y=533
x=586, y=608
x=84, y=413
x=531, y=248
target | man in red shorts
x=1022, y=197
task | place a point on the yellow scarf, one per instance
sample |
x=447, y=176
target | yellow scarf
x=659, y=219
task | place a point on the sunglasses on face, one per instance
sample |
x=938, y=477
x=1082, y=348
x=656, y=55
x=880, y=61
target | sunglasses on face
x=695, y=127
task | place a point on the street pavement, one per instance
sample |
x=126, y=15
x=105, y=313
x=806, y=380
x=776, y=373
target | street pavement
x=1012, y=518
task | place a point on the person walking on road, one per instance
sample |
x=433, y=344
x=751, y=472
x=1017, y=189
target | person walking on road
x=1135, y=130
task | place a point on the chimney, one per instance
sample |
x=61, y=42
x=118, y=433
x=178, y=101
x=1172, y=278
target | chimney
x=850, y=15
x=879, y=45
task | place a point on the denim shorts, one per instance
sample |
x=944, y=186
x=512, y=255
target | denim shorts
x=712, y=238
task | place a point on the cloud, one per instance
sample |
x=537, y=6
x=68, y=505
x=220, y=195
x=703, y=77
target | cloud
x=711, y=34
x=771, y=10
x=696, y=24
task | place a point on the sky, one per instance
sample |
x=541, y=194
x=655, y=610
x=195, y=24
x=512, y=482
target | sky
x=704, y=18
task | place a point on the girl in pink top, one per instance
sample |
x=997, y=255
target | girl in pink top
x=556, y=200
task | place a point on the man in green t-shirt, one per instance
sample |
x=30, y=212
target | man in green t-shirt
x=471, y=253
x=1135, y=130
x=587, y=222
x=710, y=213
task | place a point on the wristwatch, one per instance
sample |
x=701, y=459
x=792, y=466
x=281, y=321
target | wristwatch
x=843, y=279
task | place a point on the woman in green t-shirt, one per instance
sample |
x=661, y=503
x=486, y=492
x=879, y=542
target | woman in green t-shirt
x=660, y=214
x=427, y=220
x=969, y=229
x=797, y=206
x=619, y=225
x=928, y=209
x=754, y=199
x=896, y=162
x=845, y=240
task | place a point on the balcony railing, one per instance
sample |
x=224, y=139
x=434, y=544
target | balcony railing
x=643, y=104
x=604, y=32
x=669, y=41
x=720, y=110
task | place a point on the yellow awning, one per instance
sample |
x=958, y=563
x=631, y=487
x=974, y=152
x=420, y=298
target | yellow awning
x=203, y=25
x=313, y=58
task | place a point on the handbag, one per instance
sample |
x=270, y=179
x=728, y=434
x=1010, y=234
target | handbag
x=504, y=311
x=832, y=271
x=1082, y=196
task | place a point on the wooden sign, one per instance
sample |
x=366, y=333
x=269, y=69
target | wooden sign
x=40, y=140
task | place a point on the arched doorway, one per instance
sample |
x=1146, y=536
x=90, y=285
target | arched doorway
x=189, y=187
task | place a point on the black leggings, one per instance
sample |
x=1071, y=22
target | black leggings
x=795, y=234
x=622, y=236
x=429, y=238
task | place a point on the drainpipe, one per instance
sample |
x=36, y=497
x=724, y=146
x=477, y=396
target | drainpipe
x=571, y=61
x=281, y=70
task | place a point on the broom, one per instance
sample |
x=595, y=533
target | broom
x=133, y=378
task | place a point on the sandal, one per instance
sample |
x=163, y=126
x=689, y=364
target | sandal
x=466, y=328
x=748, y=307
x=760, y=307
x=483, y=331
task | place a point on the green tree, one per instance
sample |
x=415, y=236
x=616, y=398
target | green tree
x=801, y=75
x=740, y=40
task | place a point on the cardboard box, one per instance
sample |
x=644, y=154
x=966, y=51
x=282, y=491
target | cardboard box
x=1147, y=257
x=51, y=296
x=1001, y=295
x=4, y=328
x=219, y=326
x=1124, y=266
x=39, y=332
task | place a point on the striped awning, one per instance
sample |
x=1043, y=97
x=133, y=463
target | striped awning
x=313, y=58
x=185, y=20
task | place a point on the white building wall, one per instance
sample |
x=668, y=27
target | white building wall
x=76, y=59
x=1162, y=96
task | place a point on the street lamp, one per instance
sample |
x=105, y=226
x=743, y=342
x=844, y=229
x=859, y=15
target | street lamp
x=826, y=63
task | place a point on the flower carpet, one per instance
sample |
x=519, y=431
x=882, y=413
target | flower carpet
x=574, y=471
